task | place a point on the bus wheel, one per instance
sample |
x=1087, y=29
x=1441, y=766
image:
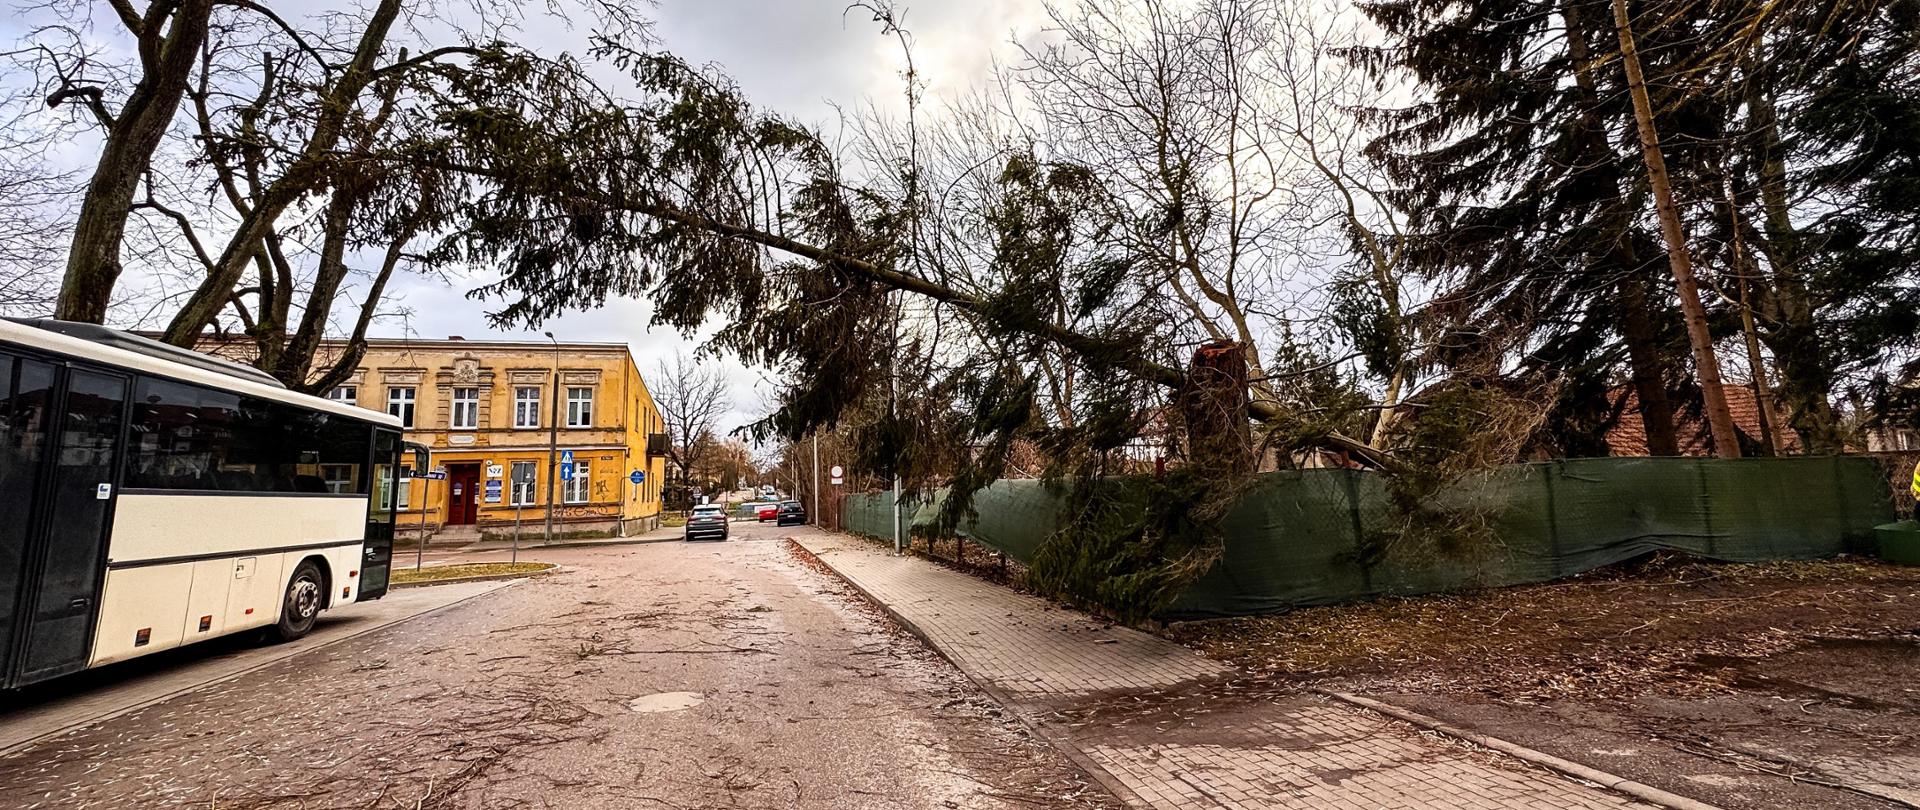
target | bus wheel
x=302, y=603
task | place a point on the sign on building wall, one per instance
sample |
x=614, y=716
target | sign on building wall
x=493, y=490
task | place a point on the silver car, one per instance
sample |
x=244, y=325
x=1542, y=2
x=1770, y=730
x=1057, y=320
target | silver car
x=707, y=522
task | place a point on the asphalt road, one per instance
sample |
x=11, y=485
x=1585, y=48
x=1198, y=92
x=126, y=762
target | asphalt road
x=664, y=675
x=45, y=710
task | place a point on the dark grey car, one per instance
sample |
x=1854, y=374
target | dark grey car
x=708, y=522
x=791, y=514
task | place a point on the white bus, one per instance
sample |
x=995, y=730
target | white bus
x=152, y=497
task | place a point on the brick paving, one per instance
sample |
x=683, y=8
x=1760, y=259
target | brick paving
x=1167, y=728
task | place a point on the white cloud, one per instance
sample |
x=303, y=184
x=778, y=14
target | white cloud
x=804, y=59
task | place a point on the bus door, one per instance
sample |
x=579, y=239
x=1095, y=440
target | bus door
x=376, y=563
x=63, y=434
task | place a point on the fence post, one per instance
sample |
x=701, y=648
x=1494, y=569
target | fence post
x=1552, y=469
x=1350, y=480
x=1706, y=508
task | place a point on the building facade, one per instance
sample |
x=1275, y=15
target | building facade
x=490, y=412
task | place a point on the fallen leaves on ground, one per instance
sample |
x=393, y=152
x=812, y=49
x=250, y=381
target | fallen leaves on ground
x=443, y=572
x=1667, y=625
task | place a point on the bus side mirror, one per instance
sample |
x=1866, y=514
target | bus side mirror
x=420, y=460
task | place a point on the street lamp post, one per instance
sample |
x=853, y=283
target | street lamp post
x=553, y=437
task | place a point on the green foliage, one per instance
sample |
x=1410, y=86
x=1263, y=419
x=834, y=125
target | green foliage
x=1791, y=145
x=1130, y=545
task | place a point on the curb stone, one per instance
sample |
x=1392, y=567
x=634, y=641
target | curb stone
x=1618, y=784
x=1037, y=725
x=1033, y=725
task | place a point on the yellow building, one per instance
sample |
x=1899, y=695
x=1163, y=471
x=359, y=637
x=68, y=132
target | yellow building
x=490, y=410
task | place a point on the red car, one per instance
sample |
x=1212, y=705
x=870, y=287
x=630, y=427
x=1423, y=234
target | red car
x=766, y=511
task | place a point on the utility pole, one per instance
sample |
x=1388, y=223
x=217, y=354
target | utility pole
x=816, y=479
x=553, y=437
x=893, y=392
x=519, y=505
x=426, y=497
x=1726, y=442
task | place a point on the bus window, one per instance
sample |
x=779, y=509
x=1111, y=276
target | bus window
x=193, y=438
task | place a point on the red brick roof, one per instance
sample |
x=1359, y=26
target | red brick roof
x=1628, y=437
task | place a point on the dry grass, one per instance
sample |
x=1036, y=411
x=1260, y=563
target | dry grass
x=440, y=573
x=1612, y=632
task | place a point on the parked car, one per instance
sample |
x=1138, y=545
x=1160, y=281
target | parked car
x=791, y=514
x=707, y=522
x=766, y=511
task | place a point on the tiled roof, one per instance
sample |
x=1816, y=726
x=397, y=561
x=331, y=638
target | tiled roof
x=1628, y=437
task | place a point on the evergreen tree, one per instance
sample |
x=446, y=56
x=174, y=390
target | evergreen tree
x=1520, y=173
x=1789, y=136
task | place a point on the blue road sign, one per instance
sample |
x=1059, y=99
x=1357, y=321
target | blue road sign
x=566, y=457
x=566, y=471
x=637, y=476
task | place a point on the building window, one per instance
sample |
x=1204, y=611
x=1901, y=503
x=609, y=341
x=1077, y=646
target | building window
x=576, y=490
x=400, y=405
x=403, y=489
x=579, y=407
x=526, y=407
x=522, y=480
x=466, y=408
x=344, y=393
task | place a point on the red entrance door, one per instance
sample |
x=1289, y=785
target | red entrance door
x=463, y=495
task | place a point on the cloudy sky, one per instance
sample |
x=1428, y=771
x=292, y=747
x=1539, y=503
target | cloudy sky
x=805, y=59
x=802, y=58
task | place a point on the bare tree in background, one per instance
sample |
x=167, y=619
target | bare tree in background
x=1164, y=103
x=168, y=37
x=35, y=202
x=268, y=168
x=691, y=396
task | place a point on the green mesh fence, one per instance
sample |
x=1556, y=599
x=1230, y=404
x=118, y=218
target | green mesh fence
x=1314, y=537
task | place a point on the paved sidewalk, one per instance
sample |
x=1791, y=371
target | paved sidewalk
x=1167, y=728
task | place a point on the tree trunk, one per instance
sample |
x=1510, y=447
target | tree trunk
x=1746, y=269
x=1806, y=374
x=1213, y=403
x=1756, y=363
x=93, y=260
x=1726, y=442
x=1647, y=362
x=1384, y=423
x=303, y=175
x=296, y=362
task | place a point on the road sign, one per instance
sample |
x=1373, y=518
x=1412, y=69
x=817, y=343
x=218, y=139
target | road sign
x=837, y=472
x=566, y=457
x=436, y=475
x=637, y=476
x=523, y=474
x=494, y=471
x=566, y=471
